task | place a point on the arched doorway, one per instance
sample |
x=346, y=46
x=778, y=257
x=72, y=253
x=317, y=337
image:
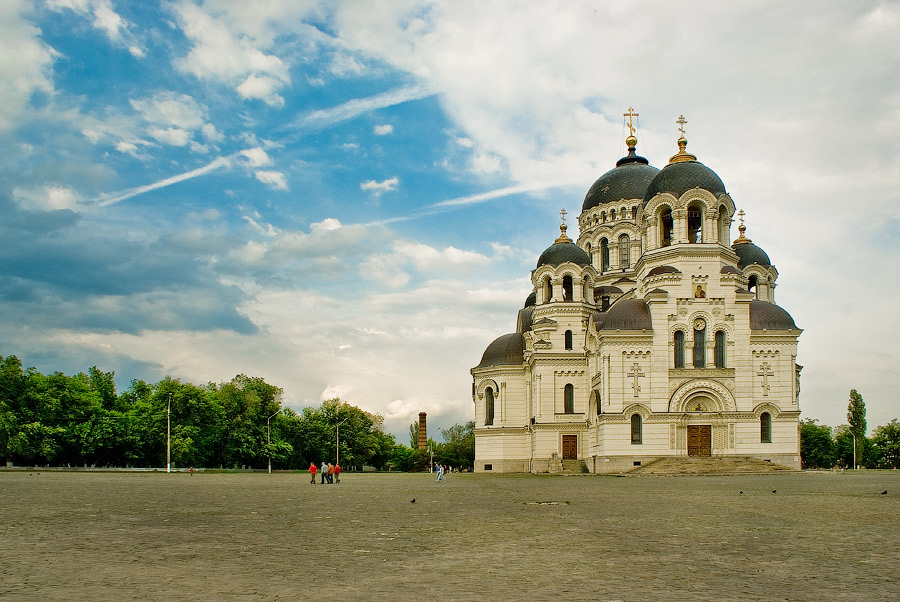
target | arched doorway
x=699, y=436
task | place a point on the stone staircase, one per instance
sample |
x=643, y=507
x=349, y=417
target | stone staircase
x=574, y=467
x=721, y=465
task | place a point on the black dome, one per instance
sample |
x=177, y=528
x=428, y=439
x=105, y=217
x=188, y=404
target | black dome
x=663, y=269
x=729, y=269
x=678, y=178
x=628, y=180
x=504, y=351
x=531, y=299
x=630, y=314
x=768, y=316
x=561, y=252
x=749, y=254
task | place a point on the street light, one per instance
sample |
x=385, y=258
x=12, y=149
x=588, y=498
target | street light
x=169, y=435
x=337, y=442
x=269, y=438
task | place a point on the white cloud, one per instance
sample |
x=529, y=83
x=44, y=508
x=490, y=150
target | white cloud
x=379, y=188
x=383, y=130
x=47, y=198
x=170, y=136
x=273, y=179
x=261, y=88
x=256, y=156
x=104, y=19
x=27, y=68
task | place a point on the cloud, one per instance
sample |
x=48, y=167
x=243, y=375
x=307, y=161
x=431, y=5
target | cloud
x=383, y=130
x=261, y=88
x=273, y=179
x=104, y=19
x=213, y=165
x=379, y=188
x=256, y=156
x=351, y=109
x=29, y=72
x=47, y=198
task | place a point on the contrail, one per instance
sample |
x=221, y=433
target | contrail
x=200, y=171
x=358, y=106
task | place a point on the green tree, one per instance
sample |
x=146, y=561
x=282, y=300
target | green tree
x=414, y=435
x=816, y=445
x=887, y=444
x=459, y=445
x=856, y=418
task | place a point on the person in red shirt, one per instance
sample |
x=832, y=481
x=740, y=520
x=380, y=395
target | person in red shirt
x=337, y=473
x=312, y=473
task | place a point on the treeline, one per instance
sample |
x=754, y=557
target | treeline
x=81, y=420
x=824, y=447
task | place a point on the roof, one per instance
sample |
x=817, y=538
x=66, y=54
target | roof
x=749, y=254
x=663, y=269
x=768, y=316
x=506, y=350
x=562, y=252
x=729, y=269
x=678, y=178
x=629, y=314
x=628, y=180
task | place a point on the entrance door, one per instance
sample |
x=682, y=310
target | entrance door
x=570, y=447
x=700, y=440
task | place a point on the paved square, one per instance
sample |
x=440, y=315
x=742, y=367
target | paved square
x=153, y=536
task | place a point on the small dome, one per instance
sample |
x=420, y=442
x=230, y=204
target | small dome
x=561, y=252
x=749, y=254
x=531, y=299
x=506, y=350
x=768, y=316
x=607, y=290
x=630, y=314
x=628, y=180
x=729, y=269
x=678, y=178
x=663, y=269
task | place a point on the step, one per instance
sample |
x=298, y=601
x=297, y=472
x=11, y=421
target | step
x=713, y=465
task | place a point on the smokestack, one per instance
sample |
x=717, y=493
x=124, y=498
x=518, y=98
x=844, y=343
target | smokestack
x=423, y=432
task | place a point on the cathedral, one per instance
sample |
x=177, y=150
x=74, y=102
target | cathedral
x=652, y=335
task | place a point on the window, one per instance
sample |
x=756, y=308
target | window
x=604, y=255
x=679, y=349
x=569, y=399
x=700, y=347
x=548, y=290
x=624, y=251
x=603, y=216
x=723, y=226
x=634, y=212
x=488, y=406
x=666, y=228
x=751, y=284
x=720, y=349
x=765, y=428
x=569, y=339
x=612, y=214
x=695, y=224
x=637, y=434
x=567, y=288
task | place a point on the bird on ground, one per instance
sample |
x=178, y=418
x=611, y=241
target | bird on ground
x=412, y=501
x=774, y=491
x=884, y=492
x=741, y=492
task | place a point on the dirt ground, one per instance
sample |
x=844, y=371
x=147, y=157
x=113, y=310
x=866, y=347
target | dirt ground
x=157, y=536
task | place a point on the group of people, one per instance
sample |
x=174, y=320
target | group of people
x=442, y=470
x=331, y=473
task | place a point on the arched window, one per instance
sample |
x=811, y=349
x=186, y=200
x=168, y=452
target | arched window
x=666, y=228
x=548, y=290
x=612, y=215
x=720, y=349
x=637, y=434
x=695, y=224
x=567, y=288
x=603, y=216
x=604, y=255
x=765, y=428
x=488, y=406
x=634, y=212
x=679, y=349
x=569, y=399
x=569, y=339
x=751, y=285
x=723, y=226
x=624, y=251
x=700, y=346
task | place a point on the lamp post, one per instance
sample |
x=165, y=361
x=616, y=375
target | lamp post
x=337, y=442
x=269, y=438
x=852, y=434
x=169, y=435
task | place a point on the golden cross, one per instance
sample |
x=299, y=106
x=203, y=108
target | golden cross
x=681, y=121
x=629, y=115
x=741, y=214
x=563, y=214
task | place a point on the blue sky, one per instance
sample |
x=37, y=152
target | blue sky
x=347, y=198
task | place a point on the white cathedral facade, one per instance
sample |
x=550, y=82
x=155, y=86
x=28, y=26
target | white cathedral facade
x=651, y=336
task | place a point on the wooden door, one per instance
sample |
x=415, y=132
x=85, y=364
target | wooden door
x=570, y=447
x=700, y=440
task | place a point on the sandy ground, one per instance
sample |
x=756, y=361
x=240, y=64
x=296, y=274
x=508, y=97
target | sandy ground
x=153, y=536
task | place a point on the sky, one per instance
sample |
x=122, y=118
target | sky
x=347, y=198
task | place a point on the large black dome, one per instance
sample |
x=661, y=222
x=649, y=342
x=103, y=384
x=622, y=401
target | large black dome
x=768, y=316
x=506, y=350
x=678, y=178
x=628, y=180
x=749, y=254
x=630, y=314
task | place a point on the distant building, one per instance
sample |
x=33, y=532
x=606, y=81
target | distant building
x=653, y=336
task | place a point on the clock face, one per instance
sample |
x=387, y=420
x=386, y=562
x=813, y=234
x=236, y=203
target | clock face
x=699, y=324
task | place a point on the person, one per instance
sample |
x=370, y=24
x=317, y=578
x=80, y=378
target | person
x=312, y=473
x=699, y=293
x=324, y=472
x=440, y=472
x=330, y=473
x=337, y=473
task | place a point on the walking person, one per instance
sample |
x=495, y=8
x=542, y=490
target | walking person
x=337, y=473
x=440, y=472
x=323, y=470
x=330, y=473
x=312, y=473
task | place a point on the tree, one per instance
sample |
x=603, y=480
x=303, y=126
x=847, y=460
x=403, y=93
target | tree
x=856, y=418
x=887, y=444
x=816, y=445
x=459, y=445
x=414, y=435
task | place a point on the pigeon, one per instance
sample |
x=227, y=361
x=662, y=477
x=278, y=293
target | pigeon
x=884, y=492
x=741, y=492
x=412, y=501
x=774, y=491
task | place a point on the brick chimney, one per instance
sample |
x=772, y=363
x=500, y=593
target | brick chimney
x=423, y=432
